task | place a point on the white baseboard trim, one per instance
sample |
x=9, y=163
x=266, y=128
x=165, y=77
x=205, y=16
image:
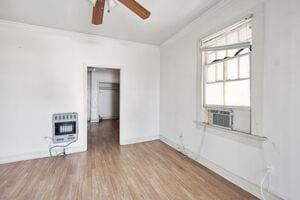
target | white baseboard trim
x=241, y=182
x=139, y=140
x=78, y=149
x=104, y=118
x=39, y=154
x=110, y=117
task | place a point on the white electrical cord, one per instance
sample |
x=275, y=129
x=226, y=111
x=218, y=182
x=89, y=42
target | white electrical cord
x=200, y=148
x=57, y=146
x=267, y=175
x=202, y=142
x=268, y=170
x=60, y=146
x=182, y=145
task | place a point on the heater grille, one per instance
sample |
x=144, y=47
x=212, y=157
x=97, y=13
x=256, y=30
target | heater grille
x=65, y=127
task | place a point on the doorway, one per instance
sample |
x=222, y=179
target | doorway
x=108, y=101
x=103, y=106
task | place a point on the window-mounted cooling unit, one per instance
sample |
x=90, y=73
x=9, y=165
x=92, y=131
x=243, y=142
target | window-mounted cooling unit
x=220, y=118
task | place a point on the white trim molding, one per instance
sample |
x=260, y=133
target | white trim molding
x=139, y=140
x=38, y=154
x=248, y=139
x=239, y=181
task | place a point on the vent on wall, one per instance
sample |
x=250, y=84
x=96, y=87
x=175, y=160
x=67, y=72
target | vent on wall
x=65, y=127
x=220, y=118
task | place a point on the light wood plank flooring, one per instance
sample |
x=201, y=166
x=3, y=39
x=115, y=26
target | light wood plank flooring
x=150, y=170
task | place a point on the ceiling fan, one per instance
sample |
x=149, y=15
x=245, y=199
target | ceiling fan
x=99, y=5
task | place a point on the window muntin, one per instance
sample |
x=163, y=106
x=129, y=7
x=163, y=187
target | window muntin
x=240, y=32
x=226, y=59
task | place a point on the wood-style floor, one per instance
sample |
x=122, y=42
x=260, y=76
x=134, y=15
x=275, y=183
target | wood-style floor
x=150, y=170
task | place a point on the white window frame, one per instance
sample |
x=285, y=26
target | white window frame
x=238, y=45
x=256, y=136
x=204, y=72
x=203, y=64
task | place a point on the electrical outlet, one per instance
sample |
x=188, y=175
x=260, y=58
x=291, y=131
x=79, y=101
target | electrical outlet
x=180, y=136
x=270, y=168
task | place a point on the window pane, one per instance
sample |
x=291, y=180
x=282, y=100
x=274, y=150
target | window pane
x=246, y=50
x=231, y=35
x=245, y=33
x=232, y=69
x=220, y=72
x=210, y=56
x=244, y=67
x=221, y=54
x=232, y=38
x=237, y=93
x=219, y=41
x=211, y=73
x=214, y=94
x=231, y=52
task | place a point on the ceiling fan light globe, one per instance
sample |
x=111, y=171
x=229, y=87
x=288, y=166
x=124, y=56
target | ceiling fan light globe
x=112, y=3
x=93, y=2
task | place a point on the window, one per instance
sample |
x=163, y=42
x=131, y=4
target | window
x=226, y=67
x=226, y=61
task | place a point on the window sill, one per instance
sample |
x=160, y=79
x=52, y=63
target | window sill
x=227, y=107
x=248, y=139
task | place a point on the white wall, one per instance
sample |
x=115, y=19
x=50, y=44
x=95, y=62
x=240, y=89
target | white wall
x=101, y=75
x=277, y=102
x=43, y=71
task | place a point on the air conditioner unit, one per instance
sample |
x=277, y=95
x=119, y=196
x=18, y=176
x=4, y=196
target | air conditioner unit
x=220, y=118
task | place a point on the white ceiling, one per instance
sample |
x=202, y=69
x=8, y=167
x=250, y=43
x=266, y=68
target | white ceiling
x=167, y=17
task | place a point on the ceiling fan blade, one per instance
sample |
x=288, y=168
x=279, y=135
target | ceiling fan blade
x=98, y=12
x=136, y=8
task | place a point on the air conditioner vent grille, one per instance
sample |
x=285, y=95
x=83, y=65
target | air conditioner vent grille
x=221, y=118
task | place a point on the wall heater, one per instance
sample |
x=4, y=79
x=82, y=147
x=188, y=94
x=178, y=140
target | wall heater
x=65, y=127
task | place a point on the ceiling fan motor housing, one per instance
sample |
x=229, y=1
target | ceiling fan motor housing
x=99, y=6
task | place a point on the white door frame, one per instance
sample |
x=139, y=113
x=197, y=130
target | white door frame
x=85, y=74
